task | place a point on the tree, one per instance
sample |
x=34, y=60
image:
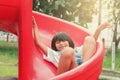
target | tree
x=114, y=6
x=67, y=9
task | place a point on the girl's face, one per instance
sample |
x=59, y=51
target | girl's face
x=60, y=45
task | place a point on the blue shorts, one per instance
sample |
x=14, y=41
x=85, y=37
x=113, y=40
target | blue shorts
x=78, y=55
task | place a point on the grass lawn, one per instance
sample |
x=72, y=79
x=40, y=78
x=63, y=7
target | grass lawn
x=9, y=59
x=8, y=70
x=108, y=58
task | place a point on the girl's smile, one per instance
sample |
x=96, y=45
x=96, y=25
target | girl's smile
x=60, y=45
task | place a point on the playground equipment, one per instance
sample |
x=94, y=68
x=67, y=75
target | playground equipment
x=16, y=18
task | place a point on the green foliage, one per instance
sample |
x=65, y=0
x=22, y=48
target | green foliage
x=114, y=17
x=67, y=9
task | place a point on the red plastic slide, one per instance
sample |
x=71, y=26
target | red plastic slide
x=16, y=18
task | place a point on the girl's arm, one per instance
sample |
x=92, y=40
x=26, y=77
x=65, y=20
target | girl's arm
x=100, y=28
x=38, y=41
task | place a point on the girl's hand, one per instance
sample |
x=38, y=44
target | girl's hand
x=35, y=28
x=34, y=22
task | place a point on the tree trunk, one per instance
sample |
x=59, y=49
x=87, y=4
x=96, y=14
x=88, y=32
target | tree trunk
x=117, y=43
x=115, y=36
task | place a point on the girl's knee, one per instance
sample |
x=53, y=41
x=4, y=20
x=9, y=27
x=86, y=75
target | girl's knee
x=68, y=52
x=90, y=39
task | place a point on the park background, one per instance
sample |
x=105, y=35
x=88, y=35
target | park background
x=86, y=13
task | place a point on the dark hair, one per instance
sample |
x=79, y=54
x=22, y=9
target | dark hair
x=61, y=36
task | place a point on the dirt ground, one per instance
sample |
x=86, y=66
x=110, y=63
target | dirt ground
x=8, y=78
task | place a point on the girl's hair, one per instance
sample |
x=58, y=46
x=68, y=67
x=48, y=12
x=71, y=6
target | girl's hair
x=61, y=36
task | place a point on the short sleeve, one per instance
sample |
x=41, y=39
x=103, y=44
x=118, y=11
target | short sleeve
x=52, y=57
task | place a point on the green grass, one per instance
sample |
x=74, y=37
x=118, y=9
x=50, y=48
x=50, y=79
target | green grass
x=8, y=52
x=108, y=58
x=117, y=61
x=8, y=58
x=7, y=44
x=8, y=70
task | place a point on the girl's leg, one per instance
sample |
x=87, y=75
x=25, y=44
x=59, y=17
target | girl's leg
x=89, y=48
x=67, y=60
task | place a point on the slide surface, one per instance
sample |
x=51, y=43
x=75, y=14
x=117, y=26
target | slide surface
x=31, y=63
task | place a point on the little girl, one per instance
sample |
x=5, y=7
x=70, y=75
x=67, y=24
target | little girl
x=63, y=54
